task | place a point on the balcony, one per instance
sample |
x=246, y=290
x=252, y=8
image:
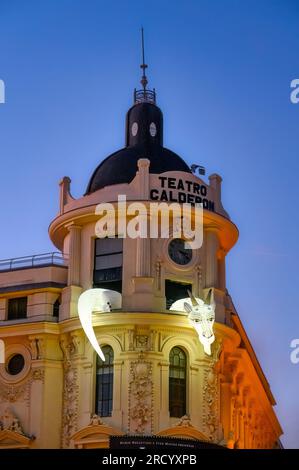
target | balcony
x=34, y=261
x=144, y=96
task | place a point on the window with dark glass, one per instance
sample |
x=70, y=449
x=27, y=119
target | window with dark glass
x=177, y=382
x=104, y=383
x=56, y=306
x=175, y=290
x=17, y=308
x=108, y=263
x=15, y=364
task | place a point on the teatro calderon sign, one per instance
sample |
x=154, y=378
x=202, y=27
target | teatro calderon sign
x=171, y=189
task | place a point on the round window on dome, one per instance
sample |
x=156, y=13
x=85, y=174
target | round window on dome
x=134, y=129
x=15, y=364
x=153, y=129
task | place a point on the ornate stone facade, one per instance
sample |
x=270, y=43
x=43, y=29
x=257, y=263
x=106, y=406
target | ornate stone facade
x=228, y=400
x=140, y=397
x=70, y=391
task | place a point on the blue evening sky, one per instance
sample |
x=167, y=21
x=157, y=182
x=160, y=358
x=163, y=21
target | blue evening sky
x=222, y=70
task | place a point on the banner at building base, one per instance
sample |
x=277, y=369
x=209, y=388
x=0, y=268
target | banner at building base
x=158, y=443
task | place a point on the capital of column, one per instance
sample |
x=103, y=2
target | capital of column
x=72, y=226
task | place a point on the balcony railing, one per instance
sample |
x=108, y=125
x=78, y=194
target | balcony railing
x=44, y=259
x=144, y=96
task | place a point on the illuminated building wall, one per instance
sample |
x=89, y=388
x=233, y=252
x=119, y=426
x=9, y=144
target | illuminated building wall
x=156, y=379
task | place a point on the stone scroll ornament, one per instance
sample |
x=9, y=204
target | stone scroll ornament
x=201, y=317
x=96, y=300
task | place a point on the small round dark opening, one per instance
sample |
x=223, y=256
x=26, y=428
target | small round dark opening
x=15, y=364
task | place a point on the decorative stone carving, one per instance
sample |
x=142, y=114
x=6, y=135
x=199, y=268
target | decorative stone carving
x=76, y=342
x=141, y=340
x=211, y=418
x=37, y=346
x=10, y=422
x=210, y=399
x=70, y=392
x=131, y=340
x=158, y=269
x=95, y=420
x=33, y=346
x=140, y=397
x=184, y=421
x=41, y=348
x=152, y=339
x=13, y=393
x=38, y=374
x=199, y=279
x=140, y=414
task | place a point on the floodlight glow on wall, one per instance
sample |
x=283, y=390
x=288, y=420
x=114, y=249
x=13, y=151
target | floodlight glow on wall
x=96, y=300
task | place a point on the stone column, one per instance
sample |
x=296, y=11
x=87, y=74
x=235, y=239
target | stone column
x=71, y=293
x=74, y=255
x=215, y=183
x=221, y=269
x=117, y=393
x=143, y=258
x=64, y=192
x=143, y=244
x=241, y=428
x=211, y=248
x=143, y=173
x=225, y=410
x=86, y=384
x=164, y=399
x=250, y=435
x=232, y=435
x=237, y=423
x=194, y=403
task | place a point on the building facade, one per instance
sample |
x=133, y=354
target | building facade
x=157, y=379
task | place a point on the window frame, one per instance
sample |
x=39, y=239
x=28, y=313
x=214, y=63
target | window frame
x=100, y=405
x=10, y=301
x=173, y=387
x=114, y=284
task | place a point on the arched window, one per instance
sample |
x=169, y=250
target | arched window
x=177, y=382
x=104, y=383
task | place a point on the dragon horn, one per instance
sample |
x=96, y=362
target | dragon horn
x=192, y=298
x=209, y=297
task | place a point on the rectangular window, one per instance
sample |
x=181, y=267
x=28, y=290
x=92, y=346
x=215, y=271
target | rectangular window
x=104, y=394
x=17, y=308
x=108, y=263
x=177, y=396
x=104, y=383
x=175, y=291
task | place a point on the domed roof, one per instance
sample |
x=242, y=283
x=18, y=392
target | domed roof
x=144, y=139
x=121, y=166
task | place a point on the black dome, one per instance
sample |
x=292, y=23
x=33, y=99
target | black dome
x=121, y=166
x=144, y=139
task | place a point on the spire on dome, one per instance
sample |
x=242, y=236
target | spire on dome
x=144, y=95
